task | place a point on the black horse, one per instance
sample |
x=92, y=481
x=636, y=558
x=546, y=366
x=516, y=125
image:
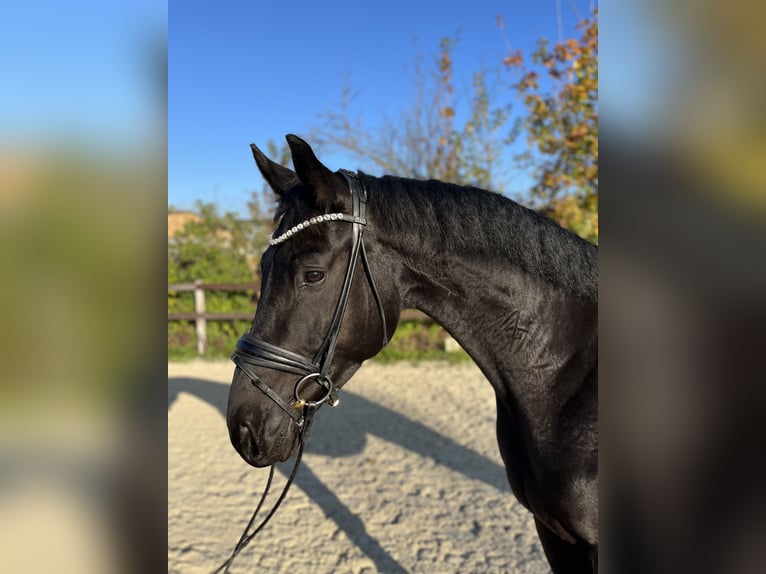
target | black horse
x=517, y=291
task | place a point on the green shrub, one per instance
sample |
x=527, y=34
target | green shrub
x=413, y=341
x=418, y=341
x=223, y=248
x=222, y=337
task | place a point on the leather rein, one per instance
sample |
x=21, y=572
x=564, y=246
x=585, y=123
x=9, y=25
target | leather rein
x=253, y=352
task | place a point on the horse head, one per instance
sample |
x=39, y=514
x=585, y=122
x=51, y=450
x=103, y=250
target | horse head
x=319, y=315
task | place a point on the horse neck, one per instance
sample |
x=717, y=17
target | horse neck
x=509, y=285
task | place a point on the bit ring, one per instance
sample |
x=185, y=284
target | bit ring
x=329, y=386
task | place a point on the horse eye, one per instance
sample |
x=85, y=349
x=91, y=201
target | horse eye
x=314, y=276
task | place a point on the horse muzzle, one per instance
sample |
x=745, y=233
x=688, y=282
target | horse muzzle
x=259, y=431
x=260, y=447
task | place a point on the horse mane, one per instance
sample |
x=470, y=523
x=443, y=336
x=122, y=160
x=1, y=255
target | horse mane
x=466, y=220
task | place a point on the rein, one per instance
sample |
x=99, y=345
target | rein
x=253, y=352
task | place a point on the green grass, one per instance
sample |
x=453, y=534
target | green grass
x=416, y=341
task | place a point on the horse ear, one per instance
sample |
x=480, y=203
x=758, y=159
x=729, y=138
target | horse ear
x=279, y=177
x=318, y=178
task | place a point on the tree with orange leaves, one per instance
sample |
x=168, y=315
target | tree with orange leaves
x=562, y=126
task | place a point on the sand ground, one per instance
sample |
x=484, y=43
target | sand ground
x=403, y=476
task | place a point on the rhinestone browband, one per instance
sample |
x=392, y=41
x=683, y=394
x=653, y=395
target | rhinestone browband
x=314, y=220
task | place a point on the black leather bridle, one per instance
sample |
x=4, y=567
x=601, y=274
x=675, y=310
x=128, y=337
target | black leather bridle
x=253, y=352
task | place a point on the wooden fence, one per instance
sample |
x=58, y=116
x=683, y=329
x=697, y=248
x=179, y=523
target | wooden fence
x=200, y=316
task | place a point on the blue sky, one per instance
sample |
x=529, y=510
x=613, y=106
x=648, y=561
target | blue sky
x=80, y=69
x=240, y=71
x=247, y=71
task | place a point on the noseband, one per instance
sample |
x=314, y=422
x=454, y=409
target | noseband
x=253, y=352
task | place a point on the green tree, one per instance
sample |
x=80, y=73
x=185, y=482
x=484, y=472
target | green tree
x=216, y=248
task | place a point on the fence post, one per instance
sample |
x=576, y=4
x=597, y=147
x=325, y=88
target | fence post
x=200, y=322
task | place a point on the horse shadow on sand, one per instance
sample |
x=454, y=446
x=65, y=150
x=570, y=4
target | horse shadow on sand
x=360, y=417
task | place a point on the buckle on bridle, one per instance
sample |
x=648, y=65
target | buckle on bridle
x=330, y=397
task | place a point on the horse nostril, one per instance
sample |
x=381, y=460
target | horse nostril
x=245, y=435
x=245, y=440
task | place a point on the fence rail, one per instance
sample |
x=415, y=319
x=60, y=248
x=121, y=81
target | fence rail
x=200, y=316
x=252, y=286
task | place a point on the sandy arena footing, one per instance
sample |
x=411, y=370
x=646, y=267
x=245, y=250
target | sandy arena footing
x=403, y=476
